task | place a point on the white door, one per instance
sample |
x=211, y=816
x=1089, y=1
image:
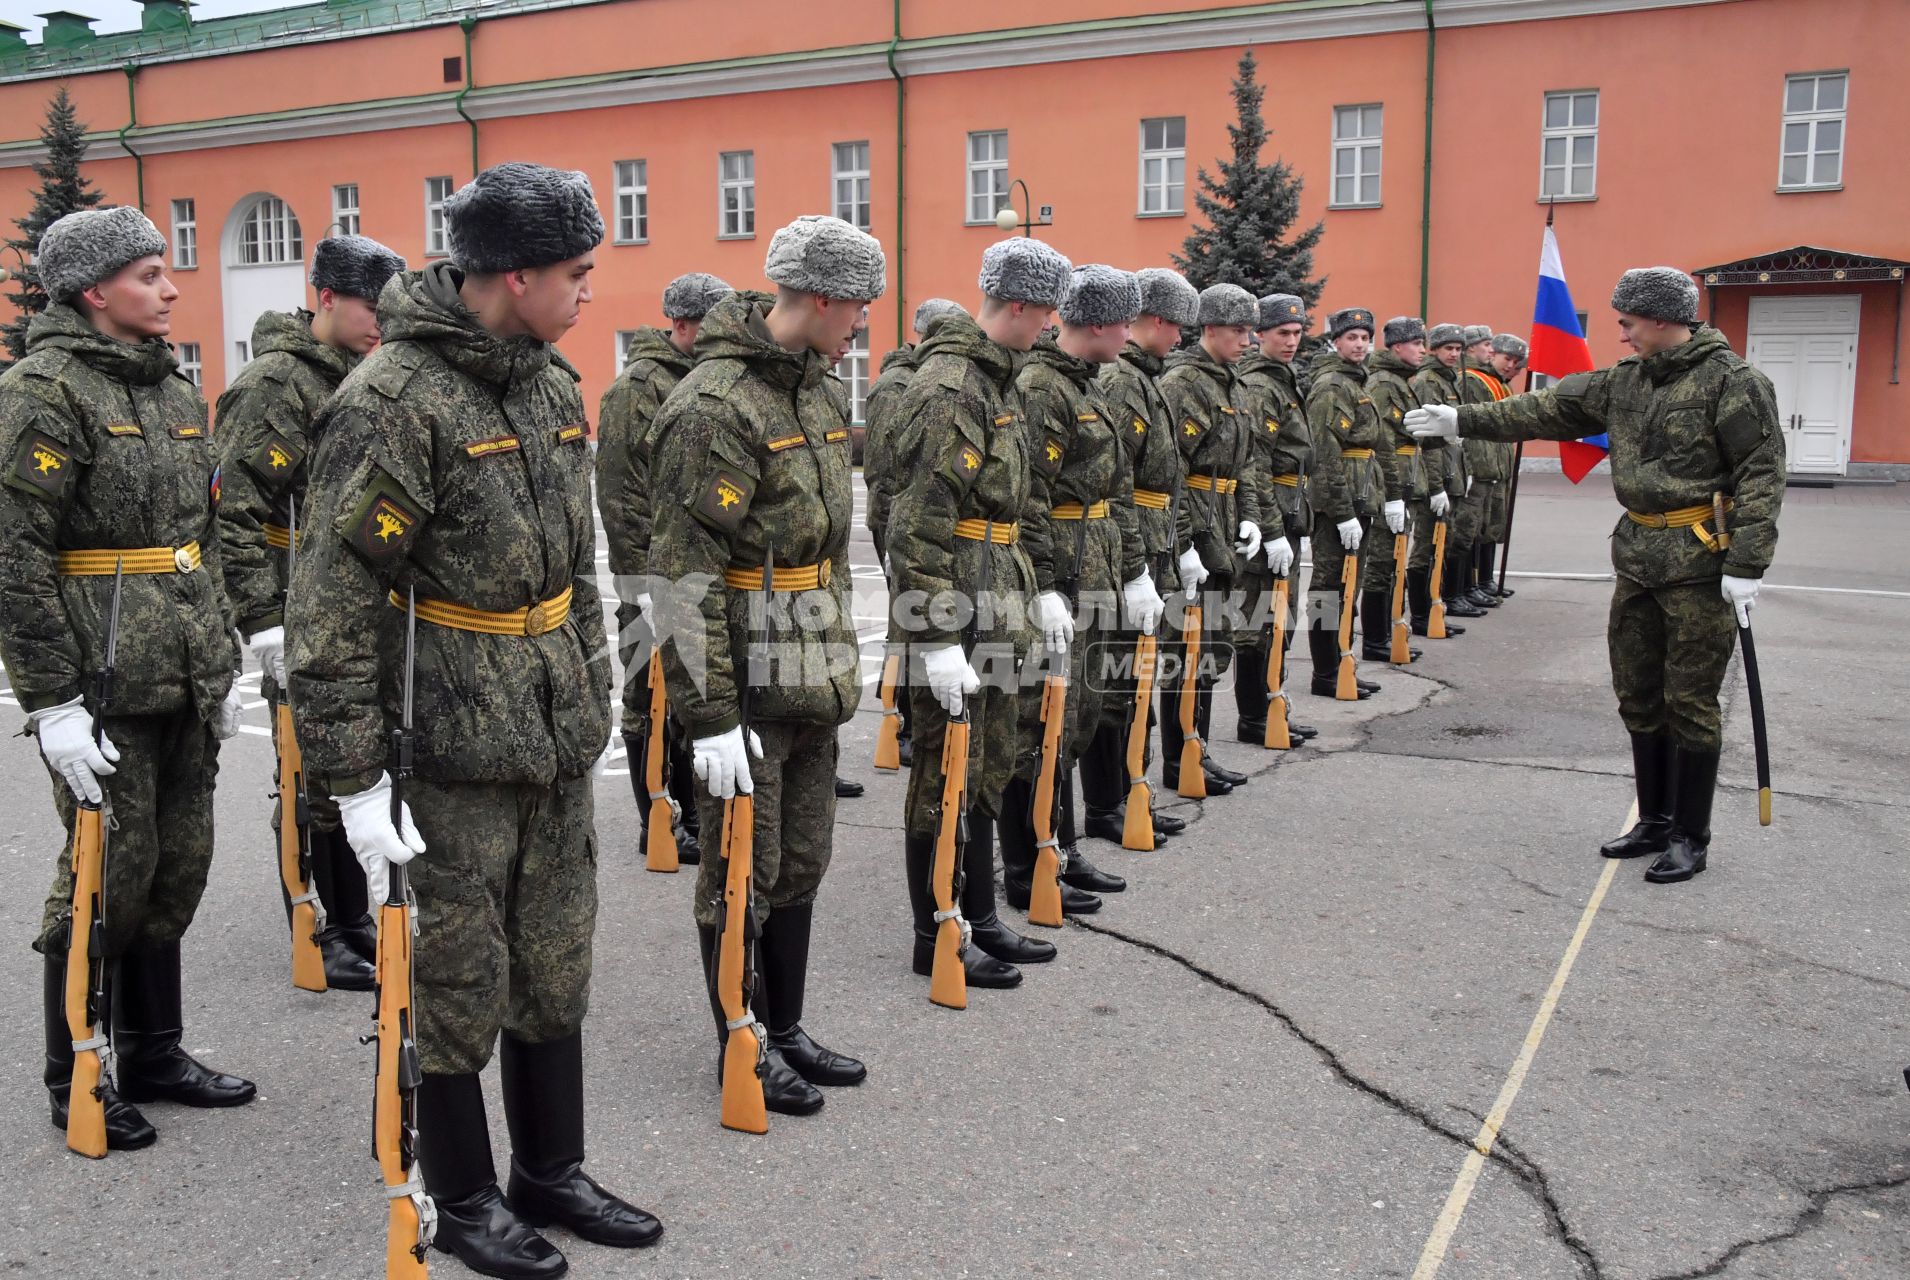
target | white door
x=1807, y=346
x=262, y=268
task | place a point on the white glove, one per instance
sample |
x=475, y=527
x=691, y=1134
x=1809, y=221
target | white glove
x=1143, y=603
x=1433, y=420
x=1306, y=548
x=1396, y=516
x=1742, y=593
x=1192, y=572
x=66, y=740
x=644, y=601
x=1249, y=543
x=1279, y=557
x=888, y=567
x=367, y=820
x=1349, y=534
x=231, y=715
x=1053, y=621
x=268, y=647
x=1441, y=504
x=950, y=678
x=721, y=763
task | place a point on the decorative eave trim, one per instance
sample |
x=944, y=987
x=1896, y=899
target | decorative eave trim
x=671, y=85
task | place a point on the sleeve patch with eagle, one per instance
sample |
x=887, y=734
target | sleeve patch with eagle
x=384, y=522
x=275, y=460
x=1048, y=455
x=41, y=466
x=722, y=500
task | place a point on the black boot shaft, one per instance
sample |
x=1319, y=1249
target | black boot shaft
x=148, y=1025
x=543, y=1101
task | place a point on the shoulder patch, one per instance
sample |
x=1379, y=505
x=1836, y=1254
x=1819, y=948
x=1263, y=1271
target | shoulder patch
x=275, y=459
x=837, y=436
x=384, y=521
x=41, y=466
x=1048, y=455
x=571, y=433
x=495, y=445
x=723, y=499
x=190, y=431
x=1140, y=426
x=124, y=429
x=787, y=442
x=1190, y=428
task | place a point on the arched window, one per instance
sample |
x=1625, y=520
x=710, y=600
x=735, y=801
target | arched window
x=269, y=234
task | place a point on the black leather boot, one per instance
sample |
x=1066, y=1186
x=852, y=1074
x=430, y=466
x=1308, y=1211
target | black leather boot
x=1325, y=647
x=847, y=790
x=1475, y=586
x=1077, y=870
x=1017, y=831
x=991, y=935
x=1457, y=606
x=1204, y=717
x=980, y=967
x=149, y=1020
x=126, y=1129
x=1489, y=573
x=1166, y=824
x=345, y=968
x=1377, y=624
x=1695, y=785
x=784, y=1092
x=634, y=745
x=475, y=1225
x=1172, y=740
x=1419, y=603
x=682, y=787
x=349, y=904
x=544, y=1108
x=1103, y=770
x=1652, y=760
x=785, y=966
x=1250, y=694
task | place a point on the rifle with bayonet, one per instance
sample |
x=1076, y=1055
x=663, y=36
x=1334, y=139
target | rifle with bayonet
x=659, y=851
x=1137, y=827
x=1279, y=736
x=1193, y=777
x=744, y=1047
x=1044, y=898
x=948, y=978
x=295, y=821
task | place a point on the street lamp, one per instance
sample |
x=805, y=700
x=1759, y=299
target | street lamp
x=24, y=261
x=1005, y=216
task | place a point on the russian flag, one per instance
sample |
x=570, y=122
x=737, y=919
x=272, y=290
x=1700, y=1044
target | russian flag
x=1559, y=348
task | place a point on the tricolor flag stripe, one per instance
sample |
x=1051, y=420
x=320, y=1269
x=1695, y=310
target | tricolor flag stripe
x=1559, y=349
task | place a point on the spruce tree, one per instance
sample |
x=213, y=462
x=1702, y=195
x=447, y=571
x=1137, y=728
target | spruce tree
x=63, y=189
x=1249, y=236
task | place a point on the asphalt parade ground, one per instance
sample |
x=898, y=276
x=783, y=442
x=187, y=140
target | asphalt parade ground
x=1383, y=1012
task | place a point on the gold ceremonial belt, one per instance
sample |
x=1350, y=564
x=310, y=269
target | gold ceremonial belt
x=1074, y=511
x=802, y=577
x=1004, y=533
x=1151, y=500
x=76, y=564
x=1691, y=518
x=1291, y=480
x=1212, y=484
x=277, y=535
x=1356, y=453
x=1406, y=450
x=533, y=621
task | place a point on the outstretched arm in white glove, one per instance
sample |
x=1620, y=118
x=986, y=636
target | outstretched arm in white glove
x=1742, y=593
x=722, y=764
x=1395, y=516
x=66, y=740
x=1249, y=541
x=1143, y=603
x=1349, y=534
x=366, y=816
x=1433, y=420
x=950, y=677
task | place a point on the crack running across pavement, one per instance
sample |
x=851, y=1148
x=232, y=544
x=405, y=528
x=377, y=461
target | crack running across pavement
x=1811, y=1216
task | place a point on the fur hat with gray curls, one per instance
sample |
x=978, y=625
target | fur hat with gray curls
x=1506, y=344
x=1167, y=294
x=1227, y=304
x=1658, y=293
x=1477, y=333
x=826, y=256
x=932, y=310
x=1404, y=329
x=1277, y=309
x=1025, y=270
x=516, y=216
x=356, y=266
x=1101, y=295
x=1442, y=335
x=83, y=248
x=1348, y=319
x=690, y=296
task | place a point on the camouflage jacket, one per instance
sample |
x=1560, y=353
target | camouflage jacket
x=751, y=456
x=1485, y=459
x=652, y=368
x=1684, y=424
x=1212, y=427
x=264, y=424
x=1131, y=393
x=1341, y=416
x=878, y=442
x=1074, y=456
x=1388, y=383
x=456, y=463
x=1284, y=443
x=1436, y=384
x=106, y=446
x=959, y=422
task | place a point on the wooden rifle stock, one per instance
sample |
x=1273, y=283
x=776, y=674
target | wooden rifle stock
x=295, y=818
x=1402, y=652
x=1137, y=829
x=948, y=980
x=1193, y=778
x=1278, y=738
x=888, y=738
x=659, y=850
x=743, y=1108
x=1347, y=690
x=85, y=1108
x=1436, y=618
x=1044, y=900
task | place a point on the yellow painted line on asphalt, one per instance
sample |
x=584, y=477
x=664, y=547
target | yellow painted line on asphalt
x=1434, y=1253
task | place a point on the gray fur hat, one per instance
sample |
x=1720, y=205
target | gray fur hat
x=1277, y=309
x=690, y=296
x=516, y=216
x=1441, y=335
x=1227, y=304
x=1348, y=319
x=356, y=266
x=1477, y=333
x=1099, y=294
x=1404, y=329
x=1506, y=344
x=827, y=257
x=1656, y=293
x=933, y=309
x=1167, y=294
x=83, y=248
x=1021, y=269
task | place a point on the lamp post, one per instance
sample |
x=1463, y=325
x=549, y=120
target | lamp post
x=1005, y=216
x=5, y=274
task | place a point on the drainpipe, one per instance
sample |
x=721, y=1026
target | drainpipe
x=1425, y=194
x=901, y=118
x=469, y=24
x=132, y=122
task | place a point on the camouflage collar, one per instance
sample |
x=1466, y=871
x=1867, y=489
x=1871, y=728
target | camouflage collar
x=291, y=333
x=1048, y=351
x=1330, y=361
x=62, y=328
x=1662, y=366
x=959, y=335
x=1144, y=360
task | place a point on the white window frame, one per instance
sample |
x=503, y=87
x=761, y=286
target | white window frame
x=269, y=235
x=853, y=369
x=621, y=355
x=1171, y=189
x=739, y=222
x=850, y=188
x=1569, y=136
x=996, y=166
x=632, y=184
x=1814, y=122
x=437, y=241
x=185, y=235
x=1350, y=150
x=241, y=353
x=192, y=363
x=345, y=216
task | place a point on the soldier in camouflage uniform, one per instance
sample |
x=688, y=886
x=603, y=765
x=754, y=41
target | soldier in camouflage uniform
x=654, y=362
x=1132, y=400
x=107, y=450
x=1213, y=427
x=1349, y=486
x=1284, y=451
x=753, y=450
x=1495, y=528
x=1436, y=382
x=454, y=463
x=960, y=507
x=264, y=432
x=1693, y=427
x=1484, y=465
x=1388, y=372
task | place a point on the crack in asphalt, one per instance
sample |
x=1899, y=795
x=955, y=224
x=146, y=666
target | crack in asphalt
x=1811, y=1216
x=1773, y=954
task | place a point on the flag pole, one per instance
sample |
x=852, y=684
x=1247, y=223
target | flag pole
x=1518, y=455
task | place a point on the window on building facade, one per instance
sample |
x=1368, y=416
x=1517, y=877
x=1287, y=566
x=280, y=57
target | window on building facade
x=853, y=369
x=633, y=201
x=1356, y=153
x=436, y=192
x=1813, y=148
x=241, y=354
x=185, y=236
x=1164, y=165
x=736, y=194
x=1568, y=158
x=850, y=179
x=345, y=209
x=190, y=364
x=987, y=174
x=624, y=338
x=270, y=234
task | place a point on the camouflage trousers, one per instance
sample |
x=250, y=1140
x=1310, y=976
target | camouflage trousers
x=1420, y=522
x=1329, y=564
x=1492, y=518
x=1669, y=649
x=1469, y=526
x=158, y=836
x=992, y=729
x=795, y=800
x=507, y=903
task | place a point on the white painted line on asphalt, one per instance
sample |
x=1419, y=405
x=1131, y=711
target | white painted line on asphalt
x=1434, y=1253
